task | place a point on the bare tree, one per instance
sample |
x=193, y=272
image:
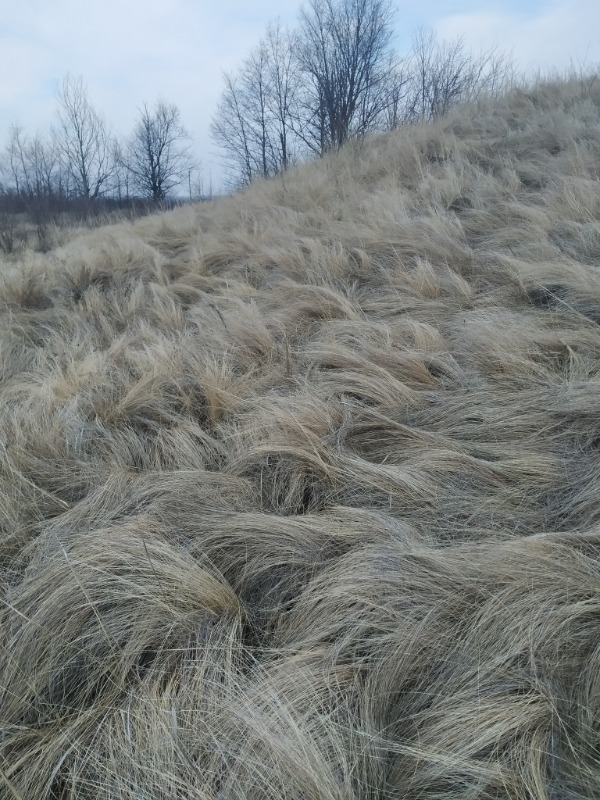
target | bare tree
x=43, y=168
x=121, y=190
x=282, y=98
x=83, y=142
x=397, y=88
x=345, y=54
x=30, y=166
x=158, y=155
x=254, y=120
x=445, y=74
x=15, y=162
x=310, y=90
x=255, y=77
x=230, y=128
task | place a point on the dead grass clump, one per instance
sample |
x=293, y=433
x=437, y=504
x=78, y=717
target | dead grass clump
x=299, y=489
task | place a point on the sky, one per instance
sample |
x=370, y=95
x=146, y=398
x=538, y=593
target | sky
x=134, y=51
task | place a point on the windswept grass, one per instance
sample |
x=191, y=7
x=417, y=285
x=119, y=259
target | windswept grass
x=300, y=489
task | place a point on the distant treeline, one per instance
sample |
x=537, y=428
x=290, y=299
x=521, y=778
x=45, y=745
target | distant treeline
x=80, y=169
x=337, y=76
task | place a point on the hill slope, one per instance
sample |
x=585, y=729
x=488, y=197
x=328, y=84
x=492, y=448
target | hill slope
x=299, y=490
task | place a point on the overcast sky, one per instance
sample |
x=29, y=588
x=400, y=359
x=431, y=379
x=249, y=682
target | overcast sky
x=131, y=51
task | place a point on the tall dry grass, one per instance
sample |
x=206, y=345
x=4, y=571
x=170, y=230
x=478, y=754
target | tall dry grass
x=300, y=490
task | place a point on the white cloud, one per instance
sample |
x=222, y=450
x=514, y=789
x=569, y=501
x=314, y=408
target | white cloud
x=549, y=36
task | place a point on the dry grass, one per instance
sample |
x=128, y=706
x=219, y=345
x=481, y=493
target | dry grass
x=300, y=490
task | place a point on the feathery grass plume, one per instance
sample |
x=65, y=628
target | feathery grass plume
x=299, y=489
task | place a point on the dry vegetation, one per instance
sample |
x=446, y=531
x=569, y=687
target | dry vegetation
x=300, y=489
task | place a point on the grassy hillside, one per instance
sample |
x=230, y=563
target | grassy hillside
x=300, y=490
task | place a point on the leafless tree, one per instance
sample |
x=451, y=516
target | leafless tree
x=30, y=166
x=445, y=74
x=282, y=98
x=44, y=167
x=255, y=77
x=345, y=54
x=397, y=88
x=15, y=161
x=121, y=182
x=158, y=155
x=83, y=142
x=230, y=129
x=310, y=90
x=254, y=120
